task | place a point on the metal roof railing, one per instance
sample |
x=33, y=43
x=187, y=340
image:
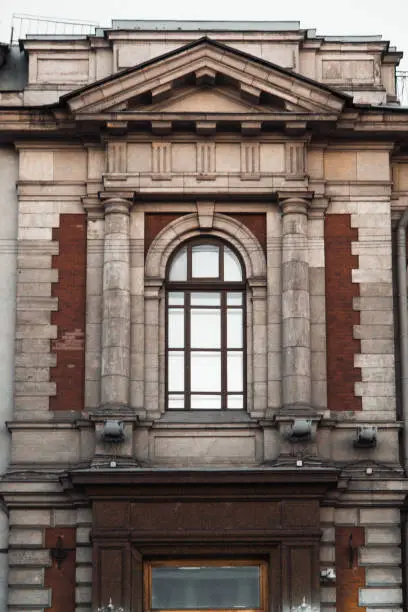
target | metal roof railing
x=23, y=26
x=402, y=87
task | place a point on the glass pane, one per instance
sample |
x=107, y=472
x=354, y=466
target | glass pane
x=184, y=588
x=176, y=402
x=234, y=371
x=235, y=402
x=205, y=298
x=176, y=328
x=206, y=402
x=206, y=261
x=205, y=328
x=176, y=371
x=234, y=328
x=232, y=266
x=178, y=268
x=176, y=298
x=234, y=298
x=206, y=371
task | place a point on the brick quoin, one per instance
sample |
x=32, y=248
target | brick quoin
x=61, y=580
x=340, y=316
x=69, y=346
x=349, y=576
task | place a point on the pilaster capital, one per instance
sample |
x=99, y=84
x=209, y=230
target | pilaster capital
x=294, y=202
x=93, y=208
x=317, y=208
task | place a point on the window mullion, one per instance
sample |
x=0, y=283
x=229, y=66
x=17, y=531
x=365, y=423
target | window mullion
x=223, y=350
x=187, y=350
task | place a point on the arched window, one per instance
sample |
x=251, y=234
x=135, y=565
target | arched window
x=205, y=322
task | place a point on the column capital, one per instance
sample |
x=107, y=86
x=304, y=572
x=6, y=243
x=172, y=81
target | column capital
x=294, y=202
x=117, y=204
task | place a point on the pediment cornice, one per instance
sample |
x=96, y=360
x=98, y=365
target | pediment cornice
x=259, y=86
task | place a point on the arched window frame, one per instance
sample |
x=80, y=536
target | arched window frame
x=192, y=286
x=240, y=238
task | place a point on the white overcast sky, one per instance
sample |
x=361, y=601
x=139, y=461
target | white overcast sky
x=389, y=17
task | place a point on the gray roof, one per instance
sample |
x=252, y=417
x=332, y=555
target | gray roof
x=14, y=72
x=234, y=26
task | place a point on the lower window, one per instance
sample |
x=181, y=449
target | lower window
x=205, y=585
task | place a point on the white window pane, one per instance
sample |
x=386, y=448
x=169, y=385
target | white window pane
x=234, y=298
x=176, y=371
x=176, y=328
x=234, y=371
x=206, y=402
x=206, y=371
x=176, y=402
x=234, y=328
x=178, y=268
x=235, y=402
x=232, y=266
x=176, y=298
x=206, y=261
x=201, y=298
x=205, y=328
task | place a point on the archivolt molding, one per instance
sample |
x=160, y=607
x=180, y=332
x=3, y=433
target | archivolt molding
x=224, y=227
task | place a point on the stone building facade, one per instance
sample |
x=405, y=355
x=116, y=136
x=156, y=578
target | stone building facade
x=208, y=368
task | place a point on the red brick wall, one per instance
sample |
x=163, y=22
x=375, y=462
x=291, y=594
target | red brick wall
x=256, y=222
x=61, y=580
x=348, y=579
x=69, y=347
x=340, y=316
x=154, y=223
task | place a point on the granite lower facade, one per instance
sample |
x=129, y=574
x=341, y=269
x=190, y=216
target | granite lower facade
x=206, y=264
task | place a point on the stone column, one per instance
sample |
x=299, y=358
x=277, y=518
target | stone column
x=115, y=367
x=296, y=379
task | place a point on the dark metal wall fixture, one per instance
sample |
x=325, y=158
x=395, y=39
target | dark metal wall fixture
x=59, y=553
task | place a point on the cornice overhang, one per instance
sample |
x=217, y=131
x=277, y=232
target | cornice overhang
x=272, y=483
x=45, y=122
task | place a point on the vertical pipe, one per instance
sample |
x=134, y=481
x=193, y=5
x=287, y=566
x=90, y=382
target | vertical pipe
x=8, y=281
x=403, y=321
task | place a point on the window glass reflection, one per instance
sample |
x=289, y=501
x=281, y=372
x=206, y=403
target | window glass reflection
x=176, y=402
x=234, y=371
x=205, y=298
x=176, y=298
x=176, y=371
x=200, y=588
x=232, y=266
x=234, y=328
x=205, y=328
x=235, y=402
x=205, y=261
x=206, y=371
x=176, y=328
x=234, y=298
x=205, y=402
x=178, y=268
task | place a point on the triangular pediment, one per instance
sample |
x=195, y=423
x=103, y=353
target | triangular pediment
x=203, y=100
x=206, y=77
